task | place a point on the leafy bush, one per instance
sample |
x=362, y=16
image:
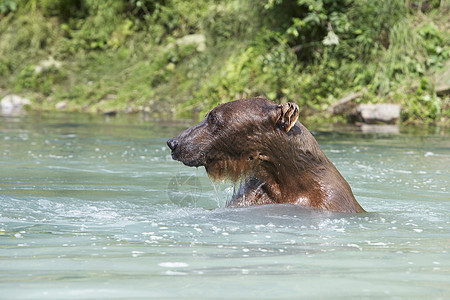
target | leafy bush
x=43, y=80
x=7, y=6
x=422, y=104
x=93, y=32
x=127, y=53
x=64, y=9
x=5, y=67
x=24, y=33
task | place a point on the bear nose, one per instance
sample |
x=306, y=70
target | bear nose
x=172, y=143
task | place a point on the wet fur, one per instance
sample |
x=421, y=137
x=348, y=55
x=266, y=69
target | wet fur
x=275, y=158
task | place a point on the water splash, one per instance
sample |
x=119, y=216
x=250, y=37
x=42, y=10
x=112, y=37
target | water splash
x=215, y=191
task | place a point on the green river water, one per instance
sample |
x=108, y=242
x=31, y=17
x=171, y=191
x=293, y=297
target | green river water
x=95, y=208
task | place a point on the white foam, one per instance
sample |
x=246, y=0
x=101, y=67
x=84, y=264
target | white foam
x=173, y=264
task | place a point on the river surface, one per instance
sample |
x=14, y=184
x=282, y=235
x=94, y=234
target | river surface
x=95, y=208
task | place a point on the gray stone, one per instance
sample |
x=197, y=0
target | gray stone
x=381, y=112
x=13, y=104
x=442, y=81
x=47, y=64
x=376, y=128
x=192, y=39
x=346, y=104
x=110, y=113
x=61, y=105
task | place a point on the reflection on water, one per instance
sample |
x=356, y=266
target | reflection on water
x=98, y=209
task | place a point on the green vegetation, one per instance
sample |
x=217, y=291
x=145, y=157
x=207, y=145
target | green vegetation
x=176, y=57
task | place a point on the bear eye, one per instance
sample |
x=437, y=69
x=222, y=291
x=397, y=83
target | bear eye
x=212, y=118
x=214, y=122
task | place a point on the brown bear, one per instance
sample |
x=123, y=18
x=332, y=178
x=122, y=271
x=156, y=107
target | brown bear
x=275, y=157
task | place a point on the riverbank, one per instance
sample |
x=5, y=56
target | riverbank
x=178, y=59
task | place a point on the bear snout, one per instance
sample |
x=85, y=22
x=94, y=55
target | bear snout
x=172, y=143
x=181, y=152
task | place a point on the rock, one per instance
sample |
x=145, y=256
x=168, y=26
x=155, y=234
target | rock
x=381, y=112
x=442, y=81
x=13, y=104
x=346, y=103
x=191, y=39
x=131, y=110
x=388, y=128
x=443, y=90
x=109, y=97
x=366, y=113
x=110, y=113
x=61, y=105
x=47, y=64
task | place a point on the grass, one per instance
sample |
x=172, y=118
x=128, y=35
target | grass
x=116, y=55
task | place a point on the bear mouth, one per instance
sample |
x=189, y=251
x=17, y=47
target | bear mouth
x=192, y=163
x=187, y=162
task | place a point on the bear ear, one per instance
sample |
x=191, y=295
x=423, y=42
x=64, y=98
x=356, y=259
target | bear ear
x=287, y=115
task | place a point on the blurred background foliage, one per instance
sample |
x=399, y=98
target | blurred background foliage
x=176, y=57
